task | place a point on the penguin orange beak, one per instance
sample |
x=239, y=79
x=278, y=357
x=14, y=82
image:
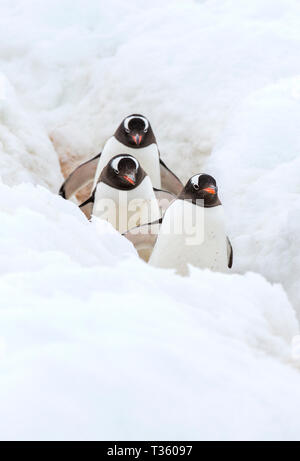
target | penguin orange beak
x=210, y=190
x=130, y=179
x=137, y=139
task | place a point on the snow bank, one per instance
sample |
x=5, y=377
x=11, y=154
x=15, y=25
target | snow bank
x=26, y=153
x=95, y=344
x=257, y=164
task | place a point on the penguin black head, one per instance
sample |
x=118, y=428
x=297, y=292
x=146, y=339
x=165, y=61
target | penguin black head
x=123, y=172
x=202, y=188
x=135, y=131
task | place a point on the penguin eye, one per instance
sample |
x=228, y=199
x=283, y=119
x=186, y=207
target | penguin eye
x=116, y=171
x=196, y=186
x=146, y=130
x=127, y=130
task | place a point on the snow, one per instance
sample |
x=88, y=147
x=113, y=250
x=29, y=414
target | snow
x=184, y=65
x=257, y=163
x=90, y=352
x=26, y=153
x=94, y=343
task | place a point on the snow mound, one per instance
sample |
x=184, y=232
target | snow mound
x=95, y=344
x=26, y=153
x=257, y=165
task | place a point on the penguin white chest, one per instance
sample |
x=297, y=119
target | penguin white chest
x=191, y=235
x=126, y=209
x=148, y=157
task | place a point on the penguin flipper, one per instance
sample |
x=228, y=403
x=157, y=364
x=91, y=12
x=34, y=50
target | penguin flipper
x=229, y=253
x=169, y=180
x=83, y=175
x=87, y=207
x=164, y=199
x=144, y=237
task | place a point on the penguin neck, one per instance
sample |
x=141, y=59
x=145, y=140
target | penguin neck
x=143, y=191
x=198, y=202
x=114, y=144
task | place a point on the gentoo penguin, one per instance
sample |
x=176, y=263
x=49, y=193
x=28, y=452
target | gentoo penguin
x=124, y=196
x=135, y=137
x=191, y=232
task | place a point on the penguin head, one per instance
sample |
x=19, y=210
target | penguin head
x=123, y=172
x=201, y=187
x=135, y=131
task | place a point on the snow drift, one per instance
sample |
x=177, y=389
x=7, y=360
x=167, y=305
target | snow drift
x=97, y=345
x=94, y=344
x=257, y=162
x=26, y=153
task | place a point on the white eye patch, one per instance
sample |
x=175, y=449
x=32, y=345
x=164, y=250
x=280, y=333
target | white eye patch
x=117, y=160
x=195, y=179
x=128, y=120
